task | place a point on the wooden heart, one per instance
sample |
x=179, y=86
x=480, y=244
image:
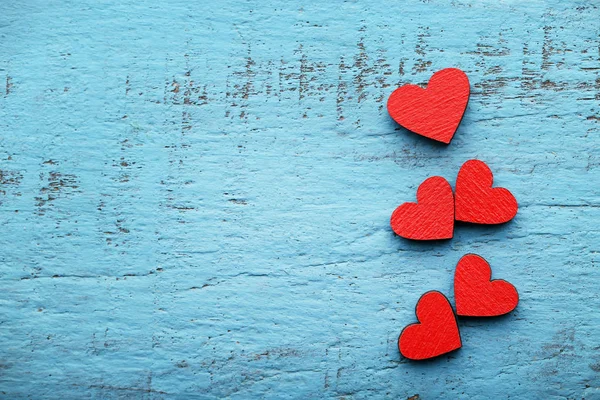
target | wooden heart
x=432, y=217
x=436, y=333
x=434, y=112
x=476, y=295
x=477, y=201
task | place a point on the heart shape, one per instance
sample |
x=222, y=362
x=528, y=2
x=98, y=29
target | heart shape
x=434, y=112
x=476, y=201
x=476, y=295
x=432, y=217
x=435, y=334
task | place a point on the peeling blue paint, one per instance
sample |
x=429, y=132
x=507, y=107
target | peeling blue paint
x=195, y=196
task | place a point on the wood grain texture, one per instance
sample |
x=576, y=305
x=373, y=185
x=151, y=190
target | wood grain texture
x=431, y=217
x=195, y=198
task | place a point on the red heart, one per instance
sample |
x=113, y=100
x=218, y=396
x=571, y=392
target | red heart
x=476, y=295
x=476, y=200
x=432, y=217
x=434, y=112
x=435, y=334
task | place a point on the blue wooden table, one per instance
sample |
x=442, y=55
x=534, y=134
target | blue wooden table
x=195, y=198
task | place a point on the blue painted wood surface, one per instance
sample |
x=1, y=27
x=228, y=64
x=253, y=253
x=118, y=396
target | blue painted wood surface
x=195, y=197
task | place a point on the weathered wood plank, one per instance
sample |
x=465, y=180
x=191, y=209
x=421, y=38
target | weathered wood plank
x=195, y=198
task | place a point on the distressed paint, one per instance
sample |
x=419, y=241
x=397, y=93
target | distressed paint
x=195, y=198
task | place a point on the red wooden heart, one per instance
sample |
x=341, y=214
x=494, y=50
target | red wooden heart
x=476, y=201
x=435, y=334
x=478, y=296
x=432, y=217
x=434, y=112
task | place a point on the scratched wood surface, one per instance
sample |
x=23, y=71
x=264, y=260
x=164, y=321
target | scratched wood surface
x=195, y=198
